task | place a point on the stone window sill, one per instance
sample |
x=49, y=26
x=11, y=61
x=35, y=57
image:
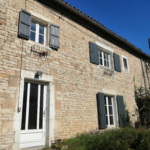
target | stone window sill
x=41, y=45
x=106, y=68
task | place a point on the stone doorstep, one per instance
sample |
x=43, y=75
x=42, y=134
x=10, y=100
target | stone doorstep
x=3, y=147
x=33, y=148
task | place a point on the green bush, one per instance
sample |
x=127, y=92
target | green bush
x=119, y=139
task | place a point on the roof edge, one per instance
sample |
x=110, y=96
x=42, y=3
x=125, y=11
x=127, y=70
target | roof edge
x=97, y=24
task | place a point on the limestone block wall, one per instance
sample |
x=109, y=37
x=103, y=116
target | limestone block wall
x=76, y=80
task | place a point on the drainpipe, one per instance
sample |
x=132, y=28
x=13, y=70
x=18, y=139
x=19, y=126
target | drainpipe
x=143, y=75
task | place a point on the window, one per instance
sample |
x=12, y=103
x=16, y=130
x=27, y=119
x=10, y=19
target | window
x=109, y=109
x=125, y=64
x=38, y=33
x=104, y=59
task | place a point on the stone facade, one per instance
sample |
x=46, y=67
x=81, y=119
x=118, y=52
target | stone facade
x=76, y=80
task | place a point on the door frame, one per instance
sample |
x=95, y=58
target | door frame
x=50, y=106
x=36, y=131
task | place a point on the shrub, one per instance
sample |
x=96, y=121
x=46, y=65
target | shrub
x=118, y=139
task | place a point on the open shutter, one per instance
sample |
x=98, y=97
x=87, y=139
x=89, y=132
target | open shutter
x=117, y=62
x=24, y=24
x=101, y=110
x=121, y=111
x=54, y=36
x=94, y=58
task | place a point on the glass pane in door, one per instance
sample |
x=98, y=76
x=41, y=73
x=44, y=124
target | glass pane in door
x=24, y=106
x=33, y=106
x=41, y=107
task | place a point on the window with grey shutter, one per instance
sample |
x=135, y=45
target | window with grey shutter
x=117, y=62
x=94, y=58
x=24, y=24
x=54, y=36
x=101, y=111
x=121, y=110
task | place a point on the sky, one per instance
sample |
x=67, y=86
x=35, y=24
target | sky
x=128, y=18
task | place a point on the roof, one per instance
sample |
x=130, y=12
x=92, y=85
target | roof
x=73, y=12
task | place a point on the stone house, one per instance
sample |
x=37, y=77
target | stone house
x=62, y=73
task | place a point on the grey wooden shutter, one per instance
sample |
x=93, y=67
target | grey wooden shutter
x=24, y=24
x=101, y=110
x=121, y=110
x=117, y=62
x=54, y=36
x=94, y=58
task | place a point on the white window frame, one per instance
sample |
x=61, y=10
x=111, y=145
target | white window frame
x=106, y=49
x=114, y=106
x=38, y=104
x=109, y=60
x=127, y=64
x=37, y=32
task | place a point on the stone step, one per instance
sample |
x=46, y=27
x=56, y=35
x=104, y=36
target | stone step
x=33, y=148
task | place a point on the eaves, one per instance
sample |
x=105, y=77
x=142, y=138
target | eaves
x=78, y=16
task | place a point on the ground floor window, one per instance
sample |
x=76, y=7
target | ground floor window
x=109, y=109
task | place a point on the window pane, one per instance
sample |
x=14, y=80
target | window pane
x=24, y=106
x=105, y=62
x=101, y=54
x=106, y=110
x=109, y=101
x=111, y=120
x=110, y=110
x=101, y=62
x=41, y=30
x=32, y=36
x=107, y=56
x=41, y=108
x=104, y=56
x=33, y=26
x=125, y=63
x=107, y=120
x=33, y=102
x=41, y=39
x=105, y=99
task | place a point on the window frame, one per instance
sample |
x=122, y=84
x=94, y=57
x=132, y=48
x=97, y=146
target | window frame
x=127, y=71
x=37, y=24
x=108, y=114
x=110, y=55
x=106, y=49
x=109, y=60
x=115, y=110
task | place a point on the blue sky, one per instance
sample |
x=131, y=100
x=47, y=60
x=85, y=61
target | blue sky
x=128, y=18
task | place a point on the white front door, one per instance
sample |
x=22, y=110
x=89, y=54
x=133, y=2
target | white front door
x=33, y=115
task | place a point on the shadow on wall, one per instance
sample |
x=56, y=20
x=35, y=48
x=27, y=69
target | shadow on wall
x=128, y=122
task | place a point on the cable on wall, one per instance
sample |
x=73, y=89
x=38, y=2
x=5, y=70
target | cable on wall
x=19, y=109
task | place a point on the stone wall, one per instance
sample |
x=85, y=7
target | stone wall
x=76, y=80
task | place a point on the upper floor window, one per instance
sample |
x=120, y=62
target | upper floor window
x=38, y=33
x=125, y=64
x=104, y=59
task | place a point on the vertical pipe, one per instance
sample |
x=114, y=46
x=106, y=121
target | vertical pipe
x=145, y=86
